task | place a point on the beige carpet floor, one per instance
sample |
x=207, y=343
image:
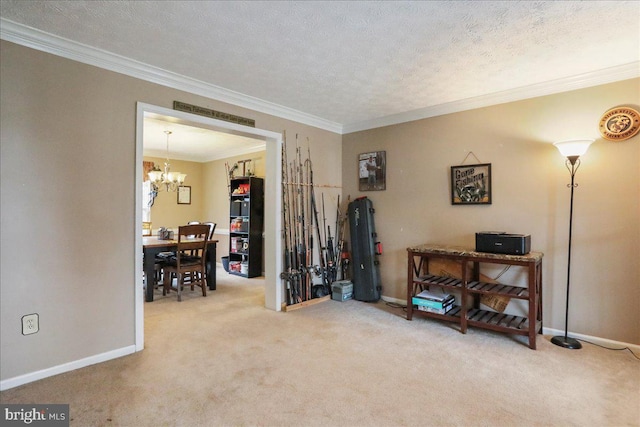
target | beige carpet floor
x=225, y=360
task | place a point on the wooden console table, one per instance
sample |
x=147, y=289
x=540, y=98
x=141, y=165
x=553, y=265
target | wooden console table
x=470, y=289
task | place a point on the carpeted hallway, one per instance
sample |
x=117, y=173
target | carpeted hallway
x=225, y=360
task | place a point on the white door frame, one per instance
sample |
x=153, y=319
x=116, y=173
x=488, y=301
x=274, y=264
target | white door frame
x=273, y=290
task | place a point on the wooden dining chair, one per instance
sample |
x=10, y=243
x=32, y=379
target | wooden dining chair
x=189, y=261
x=212, y=225
x=212, y=230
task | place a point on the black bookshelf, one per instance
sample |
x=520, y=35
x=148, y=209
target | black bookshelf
x=246, y=223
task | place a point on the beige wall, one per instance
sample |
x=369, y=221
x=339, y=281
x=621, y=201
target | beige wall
x=529, y=196
x=67, y=146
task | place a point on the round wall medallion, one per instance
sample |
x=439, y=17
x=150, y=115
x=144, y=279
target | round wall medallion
x=620, y=123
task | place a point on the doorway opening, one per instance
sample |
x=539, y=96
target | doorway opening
x=273, y=193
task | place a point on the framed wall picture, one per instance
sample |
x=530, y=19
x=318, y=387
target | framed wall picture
x=372, y=171
x=184, y=195
x=471, y=184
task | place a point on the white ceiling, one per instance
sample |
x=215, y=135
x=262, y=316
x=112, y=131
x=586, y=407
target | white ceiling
x=344, y=65
x=193, y=144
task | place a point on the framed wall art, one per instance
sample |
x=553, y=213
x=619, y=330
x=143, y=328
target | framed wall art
x=372, y=171
x=471, y=184
x=184, y=195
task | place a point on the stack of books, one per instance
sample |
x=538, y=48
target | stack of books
x=436, y=301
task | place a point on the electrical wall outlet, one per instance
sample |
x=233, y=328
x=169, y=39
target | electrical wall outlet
x=30, y=324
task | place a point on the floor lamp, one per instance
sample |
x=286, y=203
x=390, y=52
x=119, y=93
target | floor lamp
x=572, y=150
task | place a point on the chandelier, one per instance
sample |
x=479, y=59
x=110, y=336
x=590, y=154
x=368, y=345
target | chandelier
x=167, y=180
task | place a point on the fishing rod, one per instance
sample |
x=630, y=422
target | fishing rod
x=329, y=248
x=287, y=268
x=296, y=297
x=337, y=229
x=290, y=269
x=302, y=250
x=324, y=216
x=343, y=249
x=304, y=236
x=309, y=170
x=330, y=256
x=306, y=190
x=298, y=233
x=230, y=171
x=323, y=289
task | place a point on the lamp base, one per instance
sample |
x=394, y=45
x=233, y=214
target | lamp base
x=566, y=342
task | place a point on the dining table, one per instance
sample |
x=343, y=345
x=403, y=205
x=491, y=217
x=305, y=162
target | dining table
x=153, y=245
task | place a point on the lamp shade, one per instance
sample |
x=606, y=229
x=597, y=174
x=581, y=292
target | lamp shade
x=155, y=176
x=574, y=147
x=172, y=177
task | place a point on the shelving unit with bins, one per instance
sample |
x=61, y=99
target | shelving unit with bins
x=470, y=289
x=246, y=222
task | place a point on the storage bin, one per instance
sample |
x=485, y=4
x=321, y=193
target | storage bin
x=236, y=208
x=244, y=207
x=342, y=290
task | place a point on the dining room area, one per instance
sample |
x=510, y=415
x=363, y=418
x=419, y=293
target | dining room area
x=188, y=174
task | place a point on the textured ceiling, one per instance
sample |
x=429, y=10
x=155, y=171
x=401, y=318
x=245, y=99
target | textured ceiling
x=353, y=61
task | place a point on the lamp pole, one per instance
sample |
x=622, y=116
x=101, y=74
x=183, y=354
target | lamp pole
x=572, y=163
x=572, y=150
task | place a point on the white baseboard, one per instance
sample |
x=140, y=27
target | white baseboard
x=595, y=340
x=66, y=367
x=549, y=331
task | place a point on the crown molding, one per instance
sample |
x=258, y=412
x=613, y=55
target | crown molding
x=607, y=75
x=59, y=46
x=230, y=153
